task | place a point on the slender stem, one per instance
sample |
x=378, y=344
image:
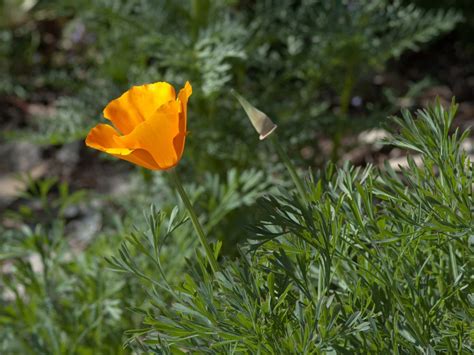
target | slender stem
x=344, y=110
x=194, y=219
x=289, y=165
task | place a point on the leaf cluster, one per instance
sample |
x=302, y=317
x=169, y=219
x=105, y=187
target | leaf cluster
x=57, y=294
x=317, y=50
x=56, y=297
x=372, y=260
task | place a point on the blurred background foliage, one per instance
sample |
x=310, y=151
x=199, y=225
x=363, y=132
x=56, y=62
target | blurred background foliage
x=87, y=52
x=324, y=71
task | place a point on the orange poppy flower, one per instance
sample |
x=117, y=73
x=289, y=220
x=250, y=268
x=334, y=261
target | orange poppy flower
x=150, y=126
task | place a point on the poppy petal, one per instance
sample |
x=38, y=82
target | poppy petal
x=138, y=104
x=104, y=138
x=183, y=97
x=156, y=135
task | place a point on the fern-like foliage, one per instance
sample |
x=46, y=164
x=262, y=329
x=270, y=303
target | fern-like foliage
x=305, y=46
x=370, y=261
x=57, y=294
x=316, y=50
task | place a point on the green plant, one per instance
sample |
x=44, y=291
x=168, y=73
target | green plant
x=319, y=51
x=358, y=260
x=330, y=46
x=57, y=294
x=371, y=261
x=57, y=297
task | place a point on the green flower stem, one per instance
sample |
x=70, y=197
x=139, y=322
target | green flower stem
x=194, y=219
x=344, y=110
x=289, y=165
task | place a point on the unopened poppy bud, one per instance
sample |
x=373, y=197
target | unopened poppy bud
x=261, y=122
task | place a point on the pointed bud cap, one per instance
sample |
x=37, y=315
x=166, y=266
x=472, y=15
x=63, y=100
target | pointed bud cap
x=261, y=122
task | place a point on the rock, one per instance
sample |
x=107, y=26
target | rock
x=68, y=157
x=11, y=185
x=373, y=136
x=441, y=92
x=359, y=155
x=83, y=230
x=19, y=156
x=468, y=145
x=401, y=162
